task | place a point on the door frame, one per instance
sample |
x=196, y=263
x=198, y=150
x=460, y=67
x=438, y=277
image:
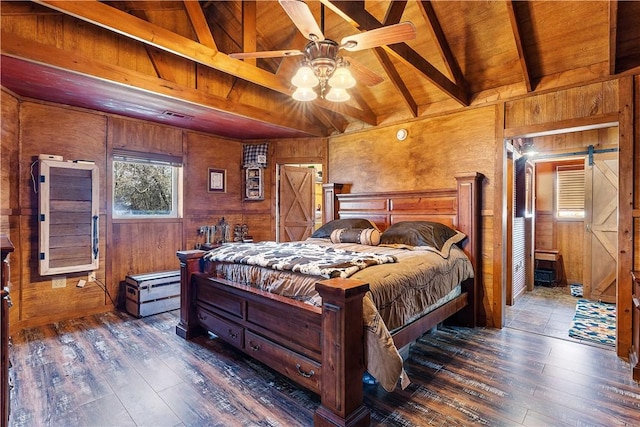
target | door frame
x=625, y=215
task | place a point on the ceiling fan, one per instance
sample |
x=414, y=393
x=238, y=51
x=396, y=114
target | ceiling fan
x=321, y=64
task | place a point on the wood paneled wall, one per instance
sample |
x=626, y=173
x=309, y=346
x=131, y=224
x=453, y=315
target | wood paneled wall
x=139, y=246
x=126, y=246
x=564, y=108
x=73, y=134
x=202, y=207
x=636, y=177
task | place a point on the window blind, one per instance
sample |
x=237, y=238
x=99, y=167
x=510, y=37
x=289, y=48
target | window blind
x=570, y=192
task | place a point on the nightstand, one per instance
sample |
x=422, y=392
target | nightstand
x=209, y=246
x=549, y=268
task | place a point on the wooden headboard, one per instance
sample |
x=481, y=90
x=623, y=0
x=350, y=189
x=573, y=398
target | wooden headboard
x=457, y=207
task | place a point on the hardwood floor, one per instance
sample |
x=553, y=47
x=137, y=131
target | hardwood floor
x=115, y=370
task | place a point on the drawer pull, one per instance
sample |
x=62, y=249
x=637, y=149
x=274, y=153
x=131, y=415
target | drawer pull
x=231, y=334
x=202, y=316
x=303, y=373
x=254, y=347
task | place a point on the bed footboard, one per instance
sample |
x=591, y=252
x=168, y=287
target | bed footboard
x=321, y=349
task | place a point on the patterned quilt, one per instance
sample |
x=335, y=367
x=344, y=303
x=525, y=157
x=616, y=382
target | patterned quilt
x=305, y=258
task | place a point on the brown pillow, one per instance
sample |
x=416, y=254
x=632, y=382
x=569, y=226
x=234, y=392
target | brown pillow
x=325, y=231
x=367, y=236
x=433, y=235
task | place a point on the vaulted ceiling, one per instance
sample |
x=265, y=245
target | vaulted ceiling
x=168, y=61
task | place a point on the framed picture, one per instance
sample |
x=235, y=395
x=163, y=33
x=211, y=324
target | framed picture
x=217, y=180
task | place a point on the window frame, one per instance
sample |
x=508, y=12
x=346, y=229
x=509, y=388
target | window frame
x=177, y=182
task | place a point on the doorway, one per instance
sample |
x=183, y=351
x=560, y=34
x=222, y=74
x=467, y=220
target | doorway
x=588, y=246
x=298, y=201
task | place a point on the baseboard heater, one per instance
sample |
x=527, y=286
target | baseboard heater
x=152, y=293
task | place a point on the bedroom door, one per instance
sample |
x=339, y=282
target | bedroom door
x=296, y=209
x=601, y=223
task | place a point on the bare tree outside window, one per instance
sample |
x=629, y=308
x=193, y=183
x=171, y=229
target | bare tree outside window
x=144, y=189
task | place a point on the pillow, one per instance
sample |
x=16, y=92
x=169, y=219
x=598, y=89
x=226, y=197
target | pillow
x=437, y=237
x=324, y=232
x=367, y=236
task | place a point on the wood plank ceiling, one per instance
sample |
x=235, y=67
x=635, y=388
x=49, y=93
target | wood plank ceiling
x=167, y=61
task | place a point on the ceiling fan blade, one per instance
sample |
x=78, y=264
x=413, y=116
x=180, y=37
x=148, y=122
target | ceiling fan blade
x=362, y=73
x=265, y=54
x=302, y=17
x=391, y=34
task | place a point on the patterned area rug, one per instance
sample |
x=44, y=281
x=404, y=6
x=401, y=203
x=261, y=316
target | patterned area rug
x=595, y=322
x=576, y=290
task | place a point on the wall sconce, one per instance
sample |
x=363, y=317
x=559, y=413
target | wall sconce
x=528, y=149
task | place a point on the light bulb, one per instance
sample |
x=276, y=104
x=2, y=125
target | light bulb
x=304, y=94
x=342, y=79
x=305, y=77
x=337, y=95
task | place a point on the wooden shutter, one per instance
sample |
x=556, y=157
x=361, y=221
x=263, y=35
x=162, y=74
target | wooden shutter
x=68, y=217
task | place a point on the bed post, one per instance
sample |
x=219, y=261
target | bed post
x=330, y=197
x=469, y=223
x=189, y=264
x=343, y=356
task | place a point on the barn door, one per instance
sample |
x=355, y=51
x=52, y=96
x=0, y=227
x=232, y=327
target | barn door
x=296, y=211
x=601, y=223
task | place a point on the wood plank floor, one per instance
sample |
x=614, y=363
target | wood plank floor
x=115, y=370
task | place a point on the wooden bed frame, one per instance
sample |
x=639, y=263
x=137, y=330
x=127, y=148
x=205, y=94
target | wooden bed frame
x=322, y=348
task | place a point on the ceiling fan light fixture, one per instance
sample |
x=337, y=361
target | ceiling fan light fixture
x=337, y=95
x=342, y=79
x=304, y=94
x=305, y=78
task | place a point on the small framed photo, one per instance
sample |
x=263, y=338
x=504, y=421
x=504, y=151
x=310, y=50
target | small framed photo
x=217, y=180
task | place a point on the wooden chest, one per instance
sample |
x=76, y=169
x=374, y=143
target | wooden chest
x=153, y=293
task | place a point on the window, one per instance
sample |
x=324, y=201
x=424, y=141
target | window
x=570, y=192
x=146, y=186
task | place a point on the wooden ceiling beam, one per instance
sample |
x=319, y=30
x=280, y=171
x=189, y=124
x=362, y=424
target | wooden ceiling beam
x=515, y=28
x=27, y=50
x=332, y=121
x=355, y=13
x=396, y=80
x=199, y=23
x=249, y=35
x=128, y=25
x=433, y=24
x=163, y=70
x=613, y=35
x=394, y=13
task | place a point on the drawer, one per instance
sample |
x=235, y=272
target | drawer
x=228, y=331
x=214, y=295
x=300, y=369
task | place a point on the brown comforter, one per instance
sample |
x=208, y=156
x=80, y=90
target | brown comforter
x=400, y=292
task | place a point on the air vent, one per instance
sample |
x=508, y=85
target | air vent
x=176, y=115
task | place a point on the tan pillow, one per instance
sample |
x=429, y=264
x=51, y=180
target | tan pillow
x=366, y=236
